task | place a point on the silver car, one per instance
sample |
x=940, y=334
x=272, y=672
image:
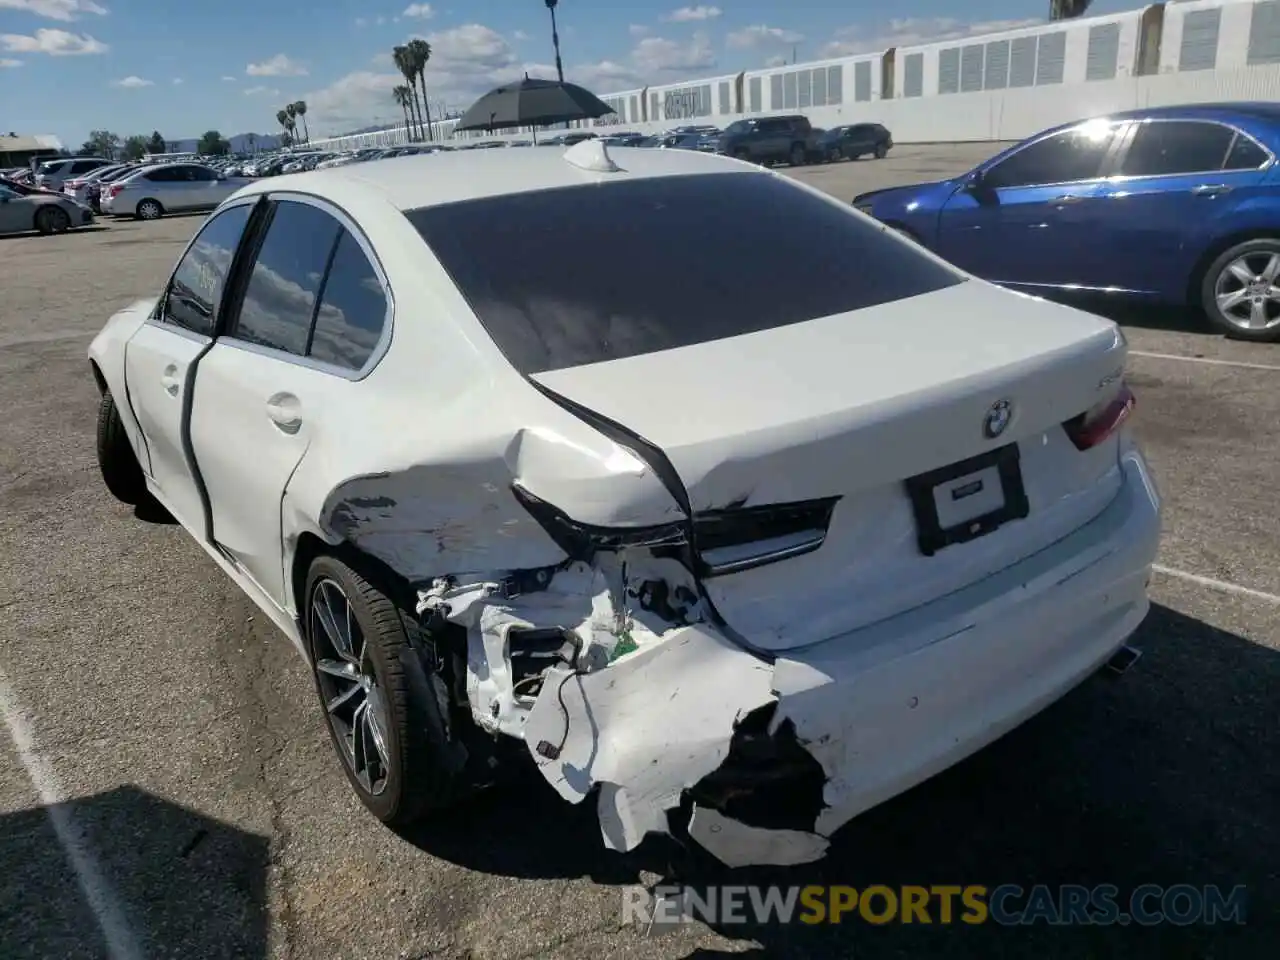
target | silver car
x=51, y=174
x=44, y=212
x=167, y=188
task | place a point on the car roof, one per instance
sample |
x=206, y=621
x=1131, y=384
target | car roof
x=411, y=182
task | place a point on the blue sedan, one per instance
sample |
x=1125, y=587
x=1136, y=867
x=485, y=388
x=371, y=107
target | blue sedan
x=1176, y=205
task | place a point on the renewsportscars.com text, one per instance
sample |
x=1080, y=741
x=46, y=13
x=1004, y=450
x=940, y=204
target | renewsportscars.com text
x=974, y=904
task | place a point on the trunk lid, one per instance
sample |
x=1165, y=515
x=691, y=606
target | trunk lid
x=851, y=407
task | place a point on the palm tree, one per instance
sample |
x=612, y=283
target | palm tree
x=282, y=118
x=420, y=52
x=251, y=140
x=402, y=95
x=404, y=63
x=291, y=109
x=300, y=107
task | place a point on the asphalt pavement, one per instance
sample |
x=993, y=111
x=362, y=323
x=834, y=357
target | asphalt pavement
x=167, y=788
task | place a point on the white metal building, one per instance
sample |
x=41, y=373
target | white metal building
x=998, y=87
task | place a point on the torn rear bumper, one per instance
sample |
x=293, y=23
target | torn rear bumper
x=879, y=709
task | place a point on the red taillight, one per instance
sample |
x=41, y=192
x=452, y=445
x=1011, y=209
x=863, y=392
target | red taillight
x=114, y=189
x=1092, y=427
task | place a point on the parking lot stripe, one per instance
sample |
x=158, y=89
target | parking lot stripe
x=120, y=941
x=1209, y=360
x=1221, y=585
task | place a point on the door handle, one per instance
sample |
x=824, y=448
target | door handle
x=169, y=380
x=285, y=412
x=1210, y=189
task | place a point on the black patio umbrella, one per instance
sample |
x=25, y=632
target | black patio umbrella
x=532, y=103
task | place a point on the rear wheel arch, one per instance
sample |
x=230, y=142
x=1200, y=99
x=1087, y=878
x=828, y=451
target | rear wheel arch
x=310, y=546
x=1217, y=248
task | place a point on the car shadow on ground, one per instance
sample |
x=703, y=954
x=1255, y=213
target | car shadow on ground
x=150, y=510
x=29, y=234
x=1166, y=775
x=176, y=883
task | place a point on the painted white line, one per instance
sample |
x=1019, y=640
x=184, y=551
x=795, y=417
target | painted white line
x=1220, y=585
x=1206, y=360
x=119, y=939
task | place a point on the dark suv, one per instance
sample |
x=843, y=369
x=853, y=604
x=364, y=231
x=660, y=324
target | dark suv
x=854, y=141
x=788, y=139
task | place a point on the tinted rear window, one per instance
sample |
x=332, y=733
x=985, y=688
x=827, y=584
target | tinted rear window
x=584, y=274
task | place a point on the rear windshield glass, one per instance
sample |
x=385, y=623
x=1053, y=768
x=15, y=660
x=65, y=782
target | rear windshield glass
x=584, y=274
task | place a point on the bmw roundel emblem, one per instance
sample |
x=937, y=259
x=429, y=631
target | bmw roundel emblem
x=997, y=419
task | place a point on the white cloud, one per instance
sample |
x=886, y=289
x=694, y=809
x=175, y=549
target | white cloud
x=64, y=10
x=776, y=61
x=177, y=81
x=520, y=36
x=8, y=64
x=56, y=43
x=132, y=83
x=691, y=14
x=380, y=21
x=422, y=11
x=277, y=66
x=229, y=79
x=260, y=92
x=658, y=55
x=361, y=21
x=639, y=30
x=760, y=35
x=909, y=31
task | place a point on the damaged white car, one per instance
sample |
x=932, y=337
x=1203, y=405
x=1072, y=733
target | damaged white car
x=739, y=512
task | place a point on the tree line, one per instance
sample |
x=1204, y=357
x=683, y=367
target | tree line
x=104, y=143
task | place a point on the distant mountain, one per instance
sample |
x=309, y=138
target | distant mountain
x=239, y=143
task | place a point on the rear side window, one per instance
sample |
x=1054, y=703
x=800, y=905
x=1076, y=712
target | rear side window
x=592, y=273
x=1170, y=147
x=281, y=295
x=353, y=309
x=1245, y=155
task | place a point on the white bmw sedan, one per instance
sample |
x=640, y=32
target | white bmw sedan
x=739, y=511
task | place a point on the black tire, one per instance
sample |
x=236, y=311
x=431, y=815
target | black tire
x=744, y=155
x=881, y=151
x=50, y=219
x=1255, y=252
x=426, y=760
x=116, y=459
x=149, y=209
x=798, y=155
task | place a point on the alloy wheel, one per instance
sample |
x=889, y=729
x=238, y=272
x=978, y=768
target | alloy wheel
x=354, y=702
x=1247, y=291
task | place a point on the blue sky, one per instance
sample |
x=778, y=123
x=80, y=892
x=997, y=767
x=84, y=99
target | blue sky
x=131, y=66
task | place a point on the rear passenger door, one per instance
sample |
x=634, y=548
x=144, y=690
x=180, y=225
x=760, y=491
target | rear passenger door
x=308, y=326
x=187, y=189
x=1177, y=180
